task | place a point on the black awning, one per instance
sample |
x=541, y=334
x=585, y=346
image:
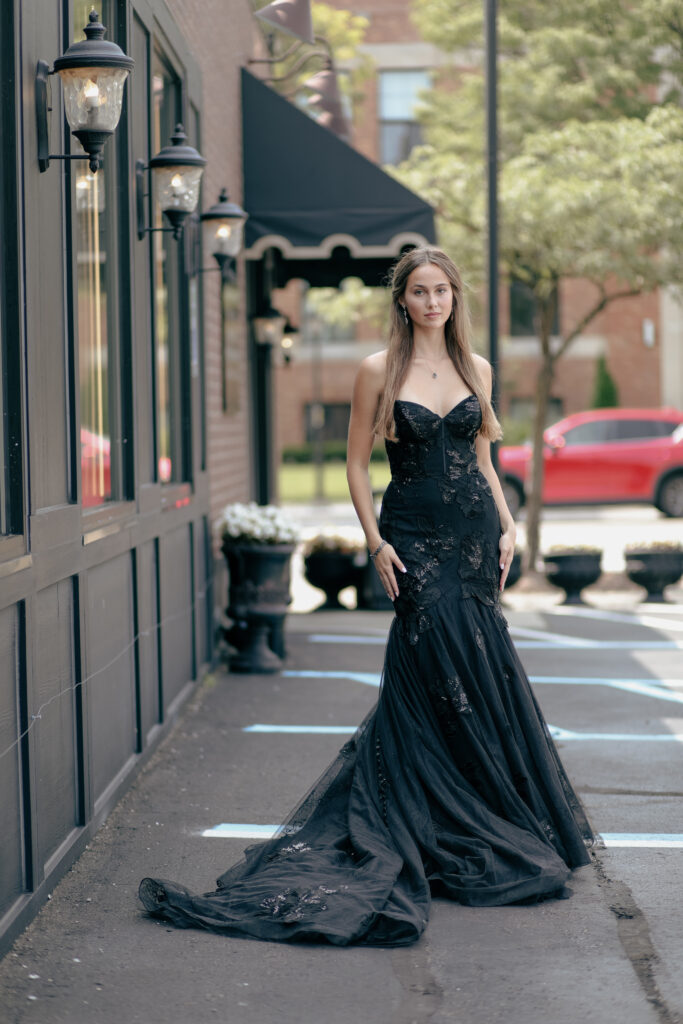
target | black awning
x=308, y=193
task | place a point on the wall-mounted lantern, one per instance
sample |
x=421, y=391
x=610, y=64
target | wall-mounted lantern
x=178, y=170
x=226, y=222
x=93, y=73
x=269, y=327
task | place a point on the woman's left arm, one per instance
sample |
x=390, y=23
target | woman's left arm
x=483, y=447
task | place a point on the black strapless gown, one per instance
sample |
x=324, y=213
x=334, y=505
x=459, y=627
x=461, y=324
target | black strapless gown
x=452, y=785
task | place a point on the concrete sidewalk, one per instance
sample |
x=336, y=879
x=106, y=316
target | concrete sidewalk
x=92, y=956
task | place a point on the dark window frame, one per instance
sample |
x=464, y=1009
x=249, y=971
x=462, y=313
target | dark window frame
x=522, y=306
x=409, y=125
x=121, y=412
x=12, y=476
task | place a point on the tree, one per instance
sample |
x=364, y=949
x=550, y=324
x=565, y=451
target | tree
x=605, y=394
x=591, y=150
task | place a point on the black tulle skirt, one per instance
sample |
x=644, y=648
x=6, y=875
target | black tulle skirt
x=453, y=789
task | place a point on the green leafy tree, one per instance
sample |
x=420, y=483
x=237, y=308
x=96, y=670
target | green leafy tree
x=605, y=394
x=343, y=32
x=591, y=158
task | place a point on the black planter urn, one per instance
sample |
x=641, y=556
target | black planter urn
x=258, y=598
x=654, y=570
x=571, y=571
x=331, y=571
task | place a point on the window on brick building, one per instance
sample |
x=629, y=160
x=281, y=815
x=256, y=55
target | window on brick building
x=399, y=96
x=523, y=310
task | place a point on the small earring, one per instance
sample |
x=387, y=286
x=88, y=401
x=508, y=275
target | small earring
x=405, y=314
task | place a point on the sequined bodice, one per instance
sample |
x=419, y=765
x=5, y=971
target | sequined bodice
x=429, y=445
x=438, y=511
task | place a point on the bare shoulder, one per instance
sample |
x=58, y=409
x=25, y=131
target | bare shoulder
x=371, y=373
x=483, y=368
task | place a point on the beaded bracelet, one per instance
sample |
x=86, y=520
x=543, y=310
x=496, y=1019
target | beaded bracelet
x=373, y=554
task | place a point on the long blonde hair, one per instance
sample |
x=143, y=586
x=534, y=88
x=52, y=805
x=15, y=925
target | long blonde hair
x=458, y=347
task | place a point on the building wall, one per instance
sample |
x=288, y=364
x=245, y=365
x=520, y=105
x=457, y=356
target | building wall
x=106, y=612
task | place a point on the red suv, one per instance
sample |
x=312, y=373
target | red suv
x=604, y=456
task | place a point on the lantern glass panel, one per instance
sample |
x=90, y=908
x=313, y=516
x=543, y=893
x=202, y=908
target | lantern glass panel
x=93, y=97
x=177, y=188
x=228, y=237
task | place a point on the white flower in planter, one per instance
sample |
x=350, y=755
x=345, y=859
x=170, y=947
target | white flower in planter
x=256, y=524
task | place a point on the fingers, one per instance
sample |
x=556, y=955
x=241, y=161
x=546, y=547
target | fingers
x=384, y=564
x=506, y=554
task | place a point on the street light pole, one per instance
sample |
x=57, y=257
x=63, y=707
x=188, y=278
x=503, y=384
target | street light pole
x=492, y=190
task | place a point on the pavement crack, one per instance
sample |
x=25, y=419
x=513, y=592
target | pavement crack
x=634, y=935
x=421, y=995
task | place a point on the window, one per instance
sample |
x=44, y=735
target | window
x=95, y=204
x=523, y=311
x=588, y=433
x=166, y=283
x=333, y=420
x=399, y=95
x=639, y=430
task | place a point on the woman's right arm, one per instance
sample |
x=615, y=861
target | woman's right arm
x=366, y=392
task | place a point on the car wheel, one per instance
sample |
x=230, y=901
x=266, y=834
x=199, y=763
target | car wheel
x=670, y=497
x=514, y=496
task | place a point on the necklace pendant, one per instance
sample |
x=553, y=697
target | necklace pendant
x=433, y=375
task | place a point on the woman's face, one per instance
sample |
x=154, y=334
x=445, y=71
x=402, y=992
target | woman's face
x=428, y=296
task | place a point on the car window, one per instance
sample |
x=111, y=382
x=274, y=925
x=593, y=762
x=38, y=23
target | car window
x=587, y=433
x=639, y=430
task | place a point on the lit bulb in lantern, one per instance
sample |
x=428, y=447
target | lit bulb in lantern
x=91, y=93
x=177, y=183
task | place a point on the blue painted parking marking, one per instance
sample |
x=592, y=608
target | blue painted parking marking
x=556, y=731
x=367, y=678
x=322, y=730
x=632, y=840
x=658, y=840
x=656, y=688
x=561, y=643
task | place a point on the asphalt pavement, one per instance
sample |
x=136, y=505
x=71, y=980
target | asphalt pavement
x=610, y=680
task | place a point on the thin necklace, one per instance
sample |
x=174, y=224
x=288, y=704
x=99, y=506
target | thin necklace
x=432, y=371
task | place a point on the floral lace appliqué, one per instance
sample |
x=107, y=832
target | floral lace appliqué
x=291, y=905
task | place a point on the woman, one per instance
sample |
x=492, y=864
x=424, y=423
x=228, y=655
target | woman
x=452, y=785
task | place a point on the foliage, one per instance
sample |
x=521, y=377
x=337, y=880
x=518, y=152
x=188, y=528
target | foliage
x=590, y=150
x=298, y=483
x=344, y=541
x=333, y=451
x=672, y=546
x=344, y=33
x=352, y=302
x=256, y=524
x=605, y=395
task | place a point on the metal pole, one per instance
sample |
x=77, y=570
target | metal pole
x=492, y=190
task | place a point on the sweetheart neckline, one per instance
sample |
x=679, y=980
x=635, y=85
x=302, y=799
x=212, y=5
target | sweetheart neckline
x=406, y=401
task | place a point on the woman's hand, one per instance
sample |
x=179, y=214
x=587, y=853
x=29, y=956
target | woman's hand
x=385, y=561
x=507, y=550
